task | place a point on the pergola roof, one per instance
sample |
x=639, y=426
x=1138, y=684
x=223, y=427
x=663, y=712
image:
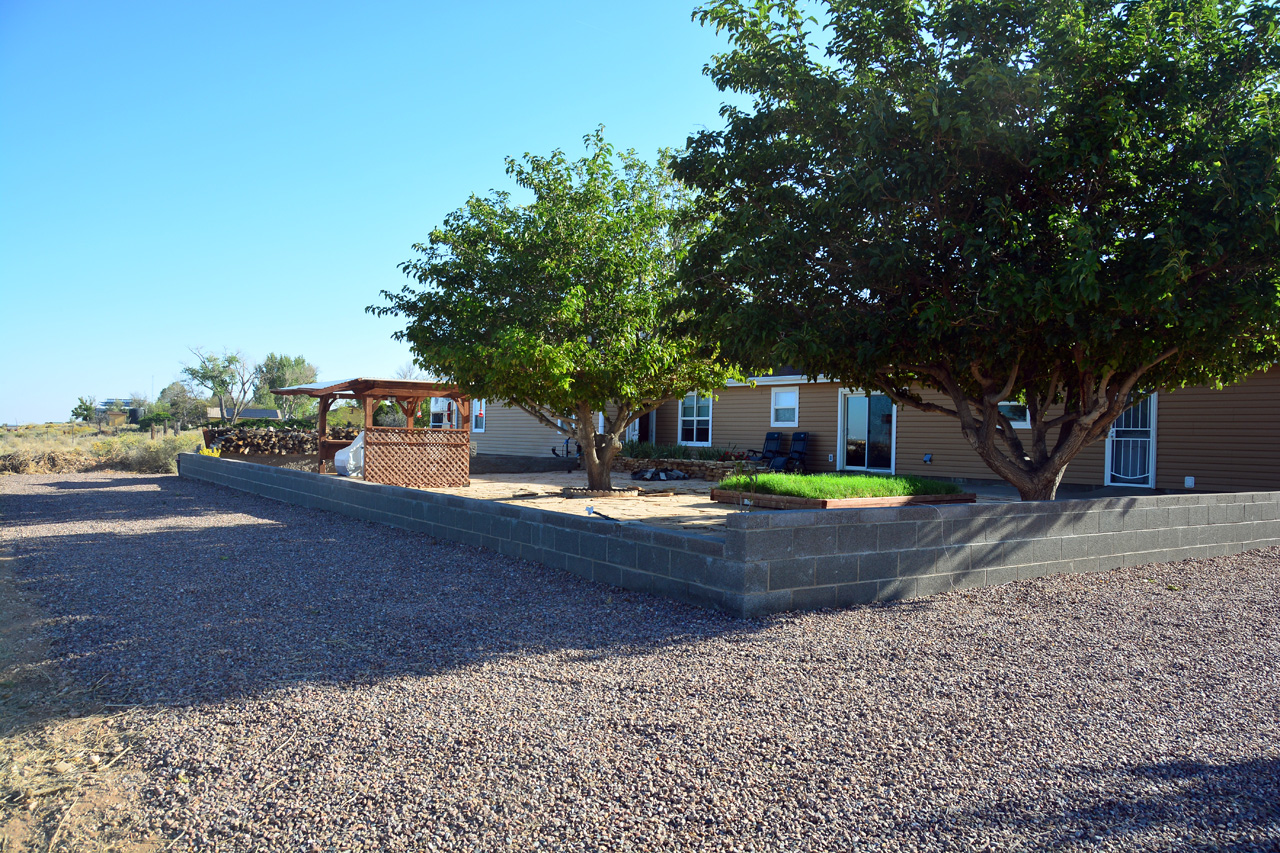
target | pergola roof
x=401, y=389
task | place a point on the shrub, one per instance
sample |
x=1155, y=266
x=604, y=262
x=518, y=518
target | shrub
x=649, y=450
x=142, y=455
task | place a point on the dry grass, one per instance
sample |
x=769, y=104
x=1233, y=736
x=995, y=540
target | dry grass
x=65, y=777
x=47, y=438
x=54, y=449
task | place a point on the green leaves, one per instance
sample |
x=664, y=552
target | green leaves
x=1072, y=187
x=85, y=409
x=566, y=302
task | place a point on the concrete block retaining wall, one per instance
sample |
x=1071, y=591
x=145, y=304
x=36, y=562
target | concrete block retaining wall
x=766, y=562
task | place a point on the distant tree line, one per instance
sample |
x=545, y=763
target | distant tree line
x=228, y=380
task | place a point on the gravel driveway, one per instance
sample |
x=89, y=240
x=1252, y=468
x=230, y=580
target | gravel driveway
x=312, y=682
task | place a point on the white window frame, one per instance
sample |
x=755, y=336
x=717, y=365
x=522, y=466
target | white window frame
x=479, y=409
x=1022, y=423
x=680, y=419
x=773, y=406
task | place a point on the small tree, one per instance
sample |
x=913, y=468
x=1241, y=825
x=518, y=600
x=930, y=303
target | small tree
x=1066, y=204
x=185, y=408
x=564, y=307
x=229, y=377
x=85, y=409
x=281, y=371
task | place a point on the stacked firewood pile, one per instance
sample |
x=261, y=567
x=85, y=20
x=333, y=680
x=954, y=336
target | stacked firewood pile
x=270, y=442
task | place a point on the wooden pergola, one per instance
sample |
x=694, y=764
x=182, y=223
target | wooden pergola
x=399, y=456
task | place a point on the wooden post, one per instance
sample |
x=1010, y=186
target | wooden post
x=322, y=429
x=464, y=415
x=409, y=408
x=368, y=412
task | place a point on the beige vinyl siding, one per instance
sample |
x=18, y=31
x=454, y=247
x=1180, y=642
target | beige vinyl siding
x=1229, y=440
x=740, y=419
x=513, y=432
x=921, y=433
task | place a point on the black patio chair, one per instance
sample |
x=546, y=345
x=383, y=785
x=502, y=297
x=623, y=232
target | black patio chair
x=794, y=460
x=772, y=449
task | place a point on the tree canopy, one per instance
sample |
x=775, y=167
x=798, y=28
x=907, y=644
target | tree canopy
x=564, y=306
x=281, y=371
x=85, y=409
x=229, y=377
x=1065, y=203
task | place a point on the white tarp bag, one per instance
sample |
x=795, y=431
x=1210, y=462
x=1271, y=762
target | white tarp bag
x=349, y=461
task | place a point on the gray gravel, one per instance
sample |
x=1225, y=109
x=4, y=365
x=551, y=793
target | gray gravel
x=310, y=682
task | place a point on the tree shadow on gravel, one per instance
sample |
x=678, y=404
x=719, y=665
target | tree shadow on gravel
x=154, y=608
x=116, y=506
x=1224, y=808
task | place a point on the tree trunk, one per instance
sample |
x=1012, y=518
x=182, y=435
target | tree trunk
x=599, y=470
x=597, y=452
x=1041, y=488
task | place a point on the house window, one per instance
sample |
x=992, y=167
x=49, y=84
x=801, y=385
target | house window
x=784, y=407
x=1017, y=414
x=695, y=420
x=477, y=415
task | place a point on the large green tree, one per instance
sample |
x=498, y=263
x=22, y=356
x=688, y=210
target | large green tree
x=281, y=371
x=563, y=306
x=1066, y=203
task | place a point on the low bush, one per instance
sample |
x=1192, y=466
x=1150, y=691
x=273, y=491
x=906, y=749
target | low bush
x=53, y=452
x=142, y=455
x=649, y=450
x=48, y=462
x=833, y=486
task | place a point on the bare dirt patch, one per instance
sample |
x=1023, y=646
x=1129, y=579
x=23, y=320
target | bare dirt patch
x=678, y=504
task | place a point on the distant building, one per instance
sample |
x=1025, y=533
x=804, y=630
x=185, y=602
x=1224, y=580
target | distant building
x=127, y=412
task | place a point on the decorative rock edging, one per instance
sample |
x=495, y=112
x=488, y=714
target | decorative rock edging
x=575, y=492
x=756, y=499
x=695, y=468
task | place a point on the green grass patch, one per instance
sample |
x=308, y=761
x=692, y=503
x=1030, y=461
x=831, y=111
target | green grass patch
x=833, y=486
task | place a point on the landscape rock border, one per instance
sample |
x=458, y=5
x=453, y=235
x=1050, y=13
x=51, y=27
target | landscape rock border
x=575, y=492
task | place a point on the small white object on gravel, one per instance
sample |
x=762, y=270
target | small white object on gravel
x=311, y=682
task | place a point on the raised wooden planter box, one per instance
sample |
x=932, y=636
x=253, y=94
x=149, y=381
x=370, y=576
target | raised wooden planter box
x=788, y=502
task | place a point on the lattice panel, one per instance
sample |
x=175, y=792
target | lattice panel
x=417, y=458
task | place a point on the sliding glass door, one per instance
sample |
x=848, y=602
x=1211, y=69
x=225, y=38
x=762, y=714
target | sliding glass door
x=868, y=432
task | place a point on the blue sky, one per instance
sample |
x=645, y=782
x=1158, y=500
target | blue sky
x=249, y=175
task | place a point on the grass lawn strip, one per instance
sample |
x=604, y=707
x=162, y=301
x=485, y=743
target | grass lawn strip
x=836, y=486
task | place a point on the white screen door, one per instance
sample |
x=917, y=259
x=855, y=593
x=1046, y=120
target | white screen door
x=1131, y=446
